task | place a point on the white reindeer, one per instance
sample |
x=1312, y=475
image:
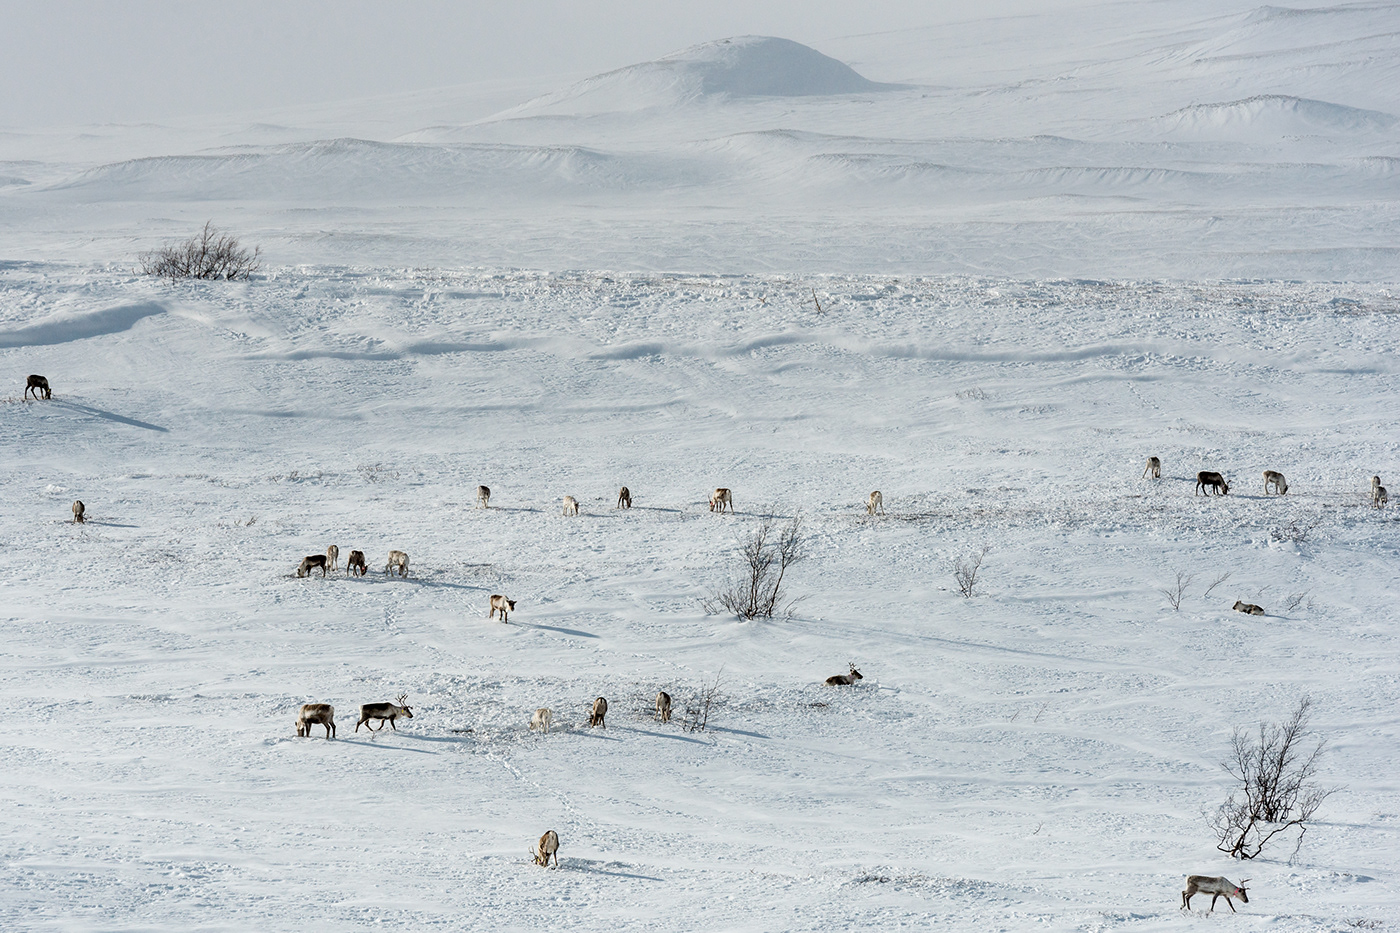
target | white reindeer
x=1154, y=468
x=720, y=498
x=876, y=502
x=548, y=845
x=398, y=560
x=79, y=510
x=1275, y=479
x=570, y=505
x=663, y=706
x=382, y=712
x=541, y=720
x=322, y=714
x=333, y=557
x=502, y=605
x=1248, y=608
x=838, y=680
x=1379, y=497
x=483, y=497
x=1216, y=888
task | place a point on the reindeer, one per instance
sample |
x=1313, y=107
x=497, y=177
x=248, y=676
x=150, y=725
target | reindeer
x=600, y=710
x=874, y=503
x=624, y=498
x=663, y=706
x=1154, y=468
x=1216, y=888
x=316, y=714
x=720, y=498
x=1248, y=608
x=37, y=384
x=502, y=605
x=541, y=720
x=483, y=497
x=398, y=560
x=78, y=511
x=1275, y=479
x=548, y=845
x=570, y=505
x=846, y=680
x=1378, y=493
x=1214, y=480
x=311, y=562
x=333, y=557
x=383, y=711
x=355, y=563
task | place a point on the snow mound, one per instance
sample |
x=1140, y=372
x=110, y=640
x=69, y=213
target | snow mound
x=1273, y=115
x=744, y=66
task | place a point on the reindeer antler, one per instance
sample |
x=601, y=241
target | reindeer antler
x=403, y=699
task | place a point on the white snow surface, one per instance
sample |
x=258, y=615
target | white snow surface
x=987, y=269
x=1040, y=756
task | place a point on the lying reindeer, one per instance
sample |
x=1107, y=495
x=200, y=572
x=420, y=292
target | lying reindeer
x=355, y=563
x=1250, y=608
x=310, y=562
x=838, y=680
x=322, y=714
x=383, y=711
x=548, y=845
x=1216, y=887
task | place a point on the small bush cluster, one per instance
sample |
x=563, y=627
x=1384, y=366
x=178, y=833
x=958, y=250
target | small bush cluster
x=208, y=254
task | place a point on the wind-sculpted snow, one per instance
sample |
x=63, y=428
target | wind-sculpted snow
x=81, y=326
x=1039, y=755
x=1273, y=115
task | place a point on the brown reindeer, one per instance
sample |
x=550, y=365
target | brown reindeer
x=624, y=498
x=1208, y=478
x=839, y=680
x=311, y=562
x=1154, y=468
x=1216, y=887
x=1275, y=479
x=355, y=564
x=382, y=712
x=1248, y=608
x=600, y=711
x=311, y=714
x=37, y=384
x=79, y=510
x=663, y=706
x=483, y=497
x=720, y=498
x=548, y=845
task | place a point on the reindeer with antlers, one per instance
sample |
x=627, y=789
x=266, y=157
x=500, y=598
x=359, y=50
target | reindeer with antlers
x=383, y=711
x=1216, y=887
x=846, y=680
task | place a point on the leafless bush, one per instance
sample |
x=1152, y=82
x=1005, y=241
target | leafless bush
x=1219, y=580
x=1177, y=592
x=965, y=571
x=757, y=591
x=208, y=254
x=1298, y=599
x=1298, y=530
x=700, y=704
x=1274, y=790
x=376, y=472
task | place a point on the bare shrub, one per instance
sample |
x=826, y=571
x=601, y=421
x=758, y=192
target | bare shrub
x=1177, y=592
x=1298, y=599
x=965, y=571
x=700, y=704
x=208, y=254
x=1219, y=580
x=1274, y=787
x=757, y=591
x=1297, y=530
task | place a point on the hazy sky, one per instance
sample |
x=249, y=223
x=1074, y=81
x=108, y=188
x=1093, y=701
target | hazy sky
x=83, y=61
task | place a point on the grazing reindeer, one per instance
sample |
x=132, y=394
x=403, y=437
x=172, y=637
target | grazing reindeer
x=503, y=606
x=333, y=557
x=874, y=503
x=624, y=498
x=398, y=560
x=548, y=845
x=1250, y=608
x=663, y=706
x=316, y=714
x=37, y=384
x=1275, y=479
x=570, y=505
x=1154, y=468
x=311, y=562
x=1216, y=888
x=383, y=711
x=1214, y=480
x=720, y=498
x=1378, y=493
x=78, y=511
x=483, y=497
x=541, y=720
x=600, y=710
x=846, y=680
x=355, y=563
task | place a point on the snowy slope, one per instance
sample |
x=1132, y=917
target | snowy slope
x=1038, y=756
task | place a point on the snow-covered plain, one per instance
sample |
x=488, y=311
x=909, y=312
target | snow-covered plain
x=1013, y=257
